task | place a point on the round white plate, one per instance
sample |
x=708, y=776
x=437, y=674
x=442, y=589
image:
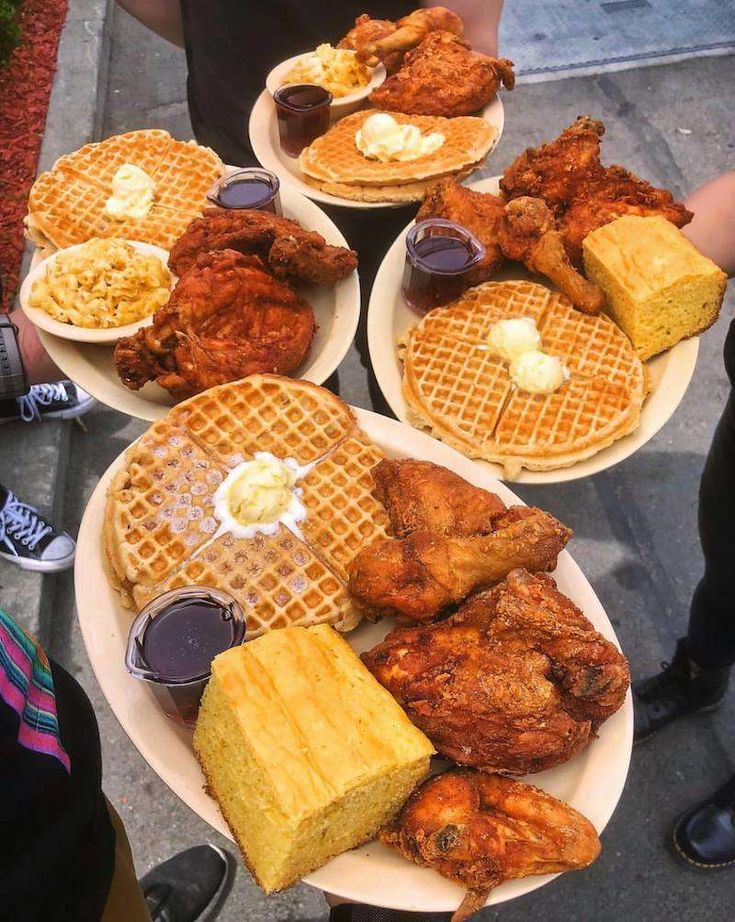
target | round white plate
x=592, y=782
x=46, y=322
x=389, y=317
x=336, y=308
x=263, y=129
x=340, y=106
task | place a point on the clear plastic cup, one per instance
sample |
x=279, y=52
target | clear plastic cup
x=303, y=115
x=253, y=188
x=440, y=256
x=173, y=641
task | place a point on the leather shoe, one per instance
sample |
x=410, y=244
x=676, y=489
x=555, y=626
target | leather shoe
x=704, y=836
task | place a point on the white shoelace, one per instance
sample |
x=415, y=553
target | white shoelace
x=21, y=522
x=40, y=395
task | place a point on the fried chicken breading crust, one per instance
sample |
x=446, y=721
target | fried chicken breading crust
x=226, y=318
x=290, y=251
x=516, y=681
x=378, y=40
x=441, y=76
x=480, y=830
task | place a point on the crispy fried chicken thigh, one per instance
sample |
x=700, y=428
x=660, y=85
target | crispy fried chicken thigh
x=441, y=76
x=516, y=681
x=480, y=830
x=286, y=248
x=226, y=318
x=415, y=578
x=406, y=34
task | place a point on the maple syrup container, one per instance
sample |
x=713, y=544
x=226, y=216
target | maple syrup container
x=440, y=256
x=303, y=115
x=252, y=188
x=173, y=641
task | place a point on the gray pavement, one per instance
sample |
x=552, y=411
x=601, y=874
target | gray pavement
x=635, y=525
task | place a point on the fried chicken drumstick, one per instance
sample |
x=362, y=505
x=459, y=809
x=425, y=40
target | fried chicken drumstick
x=516, y=681
x=480, y=830
x=226, y=318
x=286, y=248
x=415, y=578
x=374, y=41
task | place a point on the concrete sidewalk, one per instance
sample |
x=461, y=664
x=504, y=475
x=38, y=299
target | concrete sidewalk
x=635, y=525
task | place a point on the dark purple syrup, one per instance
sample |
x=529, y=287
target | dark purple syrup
x=303, y=115
x=182, y=640
x=438, y=271
x=247, y=193
x=441, y=253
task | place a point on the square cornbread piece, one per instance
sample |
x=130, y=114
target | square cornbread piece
x=659, y=288
x=306, y=753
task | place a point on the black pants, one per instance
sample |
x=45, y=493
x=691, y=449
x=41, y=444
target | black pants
x=711, y=636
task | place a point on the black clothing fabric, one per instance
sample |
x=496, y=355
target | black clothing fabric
x=232, y=45
x=57, y=844
x=711, y=635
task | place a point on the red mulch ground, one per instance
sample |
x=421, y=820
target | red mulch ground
x=25, y=87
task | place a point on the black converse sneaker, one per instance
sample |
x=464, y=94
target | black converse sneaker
x=190, y=887
x=61, y=400
x=28, y=540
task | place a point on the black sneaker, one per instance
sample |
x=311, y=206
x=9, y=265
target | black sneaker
x=680, y=689
x=704, y=836
x=28, y=540
x=190, y=887
x=62, y=400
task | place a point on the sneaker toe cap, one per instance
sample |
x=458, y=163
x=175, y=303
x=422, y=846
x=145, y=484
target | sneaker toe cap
x=61, y=548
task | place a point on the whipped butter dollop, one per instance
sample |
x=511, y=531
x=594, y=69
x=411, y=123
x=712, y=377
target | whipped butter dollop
x=257, y=495
x=132, y=193
x=511, y=338
x=537, y=372
x=382, y=138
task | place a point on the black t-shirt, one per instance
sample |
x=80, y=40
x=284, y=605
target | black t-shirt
x=57, y=843
x=231, y=45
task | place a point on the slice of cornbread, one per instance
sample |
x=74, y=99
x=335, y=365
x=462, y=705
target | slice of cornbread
x=659, y=288
x=305, y=752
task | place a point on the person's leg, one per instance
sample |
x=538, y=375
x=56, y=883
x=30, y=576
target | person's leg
x=125, y=900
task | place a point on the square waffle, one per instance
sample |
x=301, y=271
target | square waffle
x=67, y=204
x=460, y=391
x=161, y=531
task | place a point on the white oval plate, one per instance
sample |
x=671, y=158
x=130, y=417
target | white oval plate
x=336, y=308
x=389, y=317
x=592, y=782
x=43, y=321
x=263, y=130
x=341, y=106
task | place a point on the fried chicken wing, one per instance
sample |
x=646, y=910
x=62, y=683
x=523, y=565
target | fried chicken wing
x=226, y=318
x=441, y=76
x=421, y=496
x=406, y=34
x=516, y=681
x=480, y=213
x=529, y=235
x=567, y=174
x=480, y=830
x=290, y=251
x=415, y=578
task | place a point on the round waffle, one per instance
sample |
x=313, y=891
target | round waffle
x=160, y=528
x=66, y=205
x=334, y=158
x=463, y=393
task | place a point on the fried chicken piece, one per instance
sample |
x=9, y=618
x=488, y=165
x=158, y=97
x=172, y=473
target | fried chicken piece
x=479, y=830
x=443, y=77
x=366, y=32
x=516, y=681
x=481, y=213
x=415, y=578
x=421, y=496
x=226, y=318
x=409, y=32
x=529, y=235
x=290, y=251
x=567, y=174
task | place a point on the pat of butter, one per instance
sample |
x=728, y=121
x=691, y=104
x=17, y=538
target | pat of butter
x=538, y=373
x=511, y=338
x=132, y=193
x=382, y=138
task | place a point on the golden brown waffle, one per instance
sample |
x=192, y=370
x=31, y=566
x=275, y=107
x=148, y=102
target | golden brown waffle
x=161, y=532
x=407, y=192
x=67, y=204
x=334, y=158
x=460, y=391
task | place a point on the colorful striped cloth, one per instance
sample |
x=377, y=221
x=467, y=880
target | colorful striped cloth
x=27, y=686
